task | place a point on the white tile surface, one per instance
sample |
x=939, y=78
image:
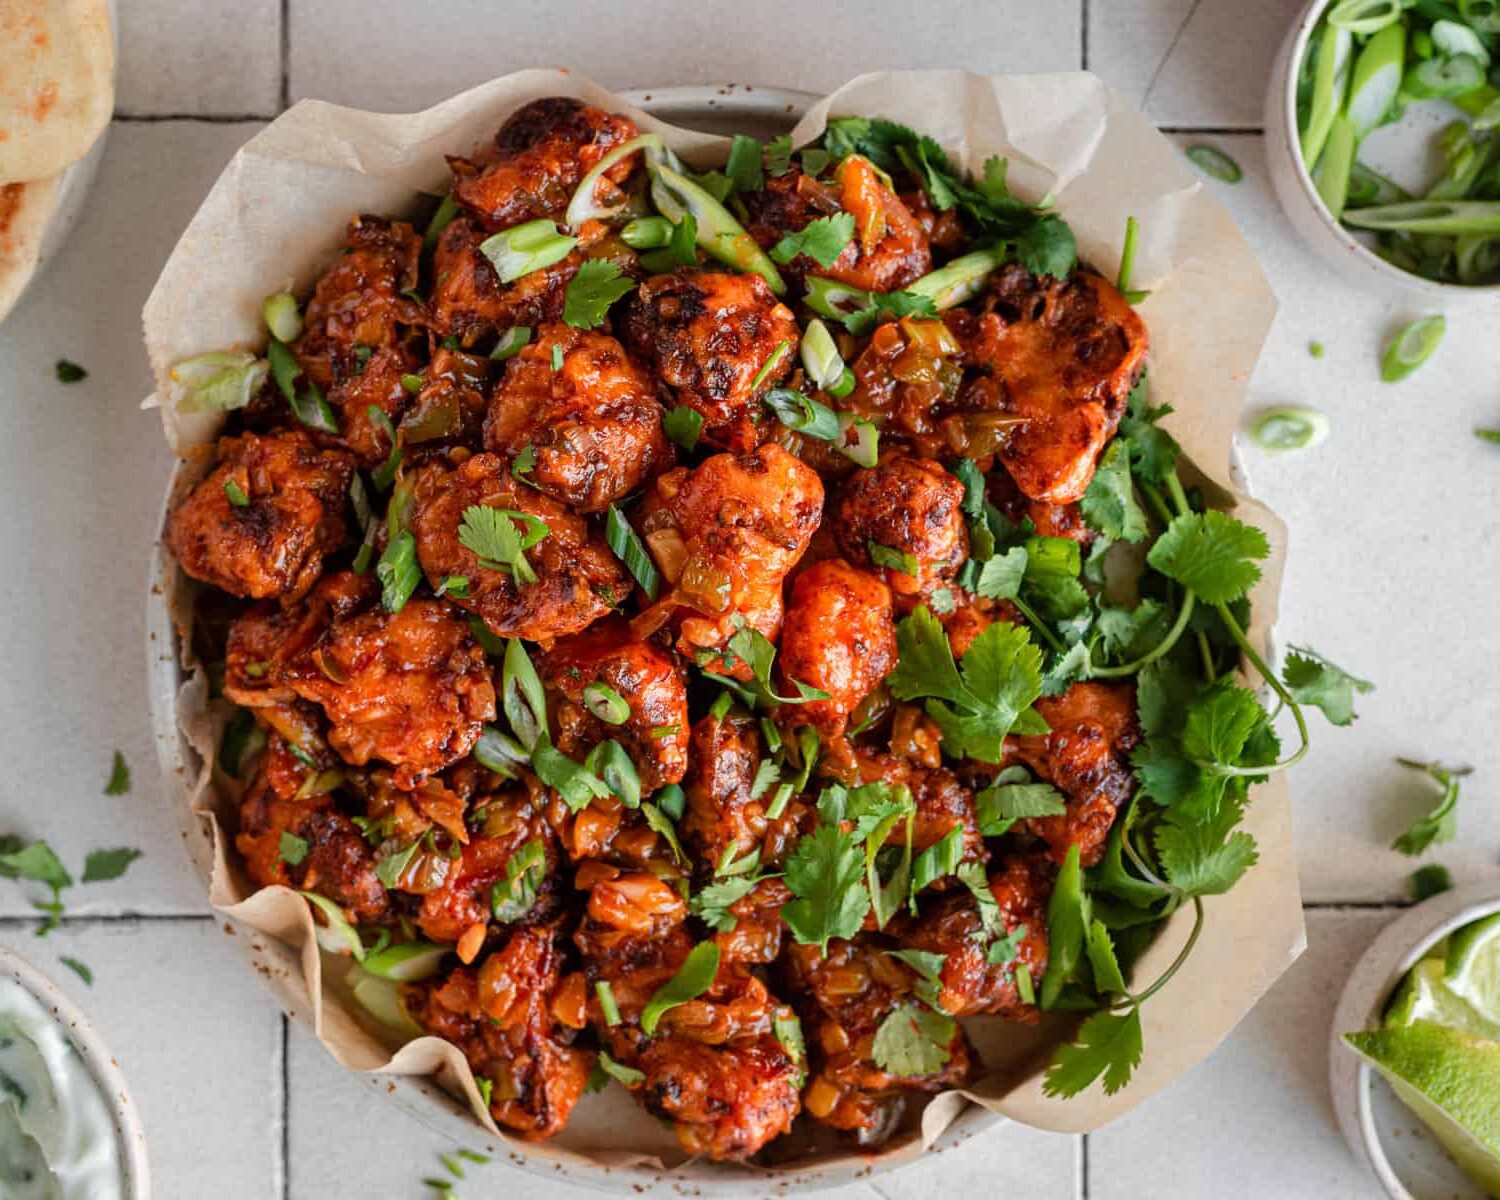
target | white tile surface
x=1395, y=557
x=1255, y=1118
x=82, y=473
x=341, y=1128
x=199, y=1046
x=339, y=55
x=184, y=56
x=1190, y=62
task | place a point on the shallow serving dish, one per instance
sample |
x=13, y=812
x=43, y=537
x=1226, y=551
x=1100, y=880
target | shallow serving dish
x=100, y=1062
x=1355, y=261
x=1383, y=1133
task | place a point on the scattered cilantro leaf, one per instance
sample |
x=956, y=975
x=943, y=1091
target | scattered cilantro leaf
x=825, y=874
x=1046, y=247
x=779, y=154
x=491, y=534
x=712, y=903
x=683, y=425
x=37, y=862
x=1441, y=822
x=693, y=978
x=1068, y=917
x=1108, y=1044
x=1014, y=796
x=103, y=865
x=1000, y=577
x=1109, y=506
x=1211, y=553
x=822, y=240
x=1153, y=451
x=119, y=777
x=1205, y=858
x=913, y=1041
x=1429, y=881
x=1219, y=723
x=1108, y=978
x=78, y=969
x=744, y=164
x=598, y=284
x=291, y=849
x=70, y=372
x=1312, y=679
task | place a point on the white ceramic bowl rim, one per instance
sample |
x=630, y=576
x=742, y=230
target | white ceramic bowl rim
x=85, y=1038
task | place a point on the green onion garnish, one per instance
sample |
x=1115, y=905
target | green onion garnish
x=609, y=761
x=1315, y=348
x=1446, y=77
x=522, y=696
x=769, y=365
x=307, y=404
x=672, y=800
x=1483, y=15
x=1411, y=347
x=843, y=386
x=960, y=280
x=647, y=233
x=1215, y=163
x=585, y=206
x=219, y=381
x=526, y=248
x=412, y=383
x=557, y=356
x=779, y=801
x=860, y=440
x=1289, y=427
x=497, y=751
x=607, y=1004
x=631, y=550
x=1430, y=216
x=820, y=356
x=236, y=494
x=1488, y=435
x=446, y=211
x=1364, y=17
x=693, y=978
x=282, y=316
x=804, y=415
x=69, y=372
x=398, y=572
x=1127, y=256
x=511, y=342
x=719, y=234
x=606, y=703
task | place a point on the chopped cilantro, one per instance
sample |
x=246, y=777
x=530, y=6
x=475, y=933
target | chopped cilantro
x=822, y=240
x=119, y=777
x=598, y=284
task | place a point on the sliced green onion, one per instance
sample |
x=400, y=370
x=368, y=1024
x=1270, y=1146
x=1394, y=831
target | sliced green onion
x=522, y=696
x=693, y=978
x=1456, y=217
x=557, y=356
x=382, y=1000
x=585, y=206
x=672, y=800
x=338, y=936
x=843, y=386
x=1289, y=427
x=511, y=342
x=219, y=381
x=282, y=317
x=446, y=211
x=1215, y=163
x=398, y=571
x=833, y=299
x=1483, y=15
x=236, y=494
x=820, y=355
x=1453, y=39
x=1315, y=349
x=631, y=550
x=606, y=703
x=1446, y=77
x=497, y=751
x=778, y=352
x=625, y=1076
x=307, y=404
x=412, y=383
x=1330, y=79
x=779, y=801
x=609, y=762
x=802, y=414
x=1488, y=435
x=526, y=248
x=1127, y=255
x=1376, y=78
x=1332, y=173
x=406, y=962
x=647, y=233
x=607, y=1004
x=719, y=234
x=864, y=448
x=1411, y=347
x=1478, y=258
x=1364, y=17
x=959, y=280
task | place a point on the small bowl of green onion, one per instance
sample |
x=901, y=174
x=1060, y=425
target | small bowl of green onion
x=1383, y=136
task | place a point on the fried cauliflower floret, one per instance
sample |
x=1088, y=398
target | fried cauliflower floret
x=1062, y=354
x=377, y=385
x=1087, y=758
x=839, y=636
x=845, y=994
x=539, y=157
x=727, y=533
x=716, y=341
x=578, y=579
x=273, y=545
x=409, y=688
x=358, y=301
x=889, y=249
x=950, y=926
x=909, y=506
x=652, y=685
x=593, y=424
x=502, y=1018
x=509, y=826
x=338, y=862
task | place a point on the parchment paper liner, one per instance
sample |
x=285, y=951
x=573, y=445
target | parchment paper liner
x=277, y=214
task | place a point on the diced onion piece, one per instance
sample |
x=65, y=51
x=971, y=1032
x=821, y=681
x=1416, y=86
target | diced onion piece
x=525, y=248
x=1289, y=427
x=860, y=440
x=406, y=962
x=585, y=206
x=669, y=551
x=282, y=317
x=338, y=936
x=820, y=356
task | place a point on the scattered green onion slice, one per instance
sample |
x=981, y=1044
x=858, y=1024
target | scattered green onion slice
x=820, y=355
x=1411, y=347
x=522, y=697
x=606, y=703
x=1446, y=77
x=282, y=317
x=1483, y=15
x=607, y=1004
x=1488, y=435
x=382, y=1000
x=693, y=978
x=1315, y=349
x=647, y=233
x=511, y=342
x=843, y=387
x=959, y=280
x=526, y=248
x=1215, y=163
x=1376, y=78
x=398, y=571
x=1331, y=176
x=802, y=414
x=497, y=751
x=1127, y=255
x=1453, y=39
x=338, y=936
x=585, y=206
x=236, y=494
x=864, y=448
x=1365, y=17
x=405, y=962
x=1455, y=217
x=719, y=234
x=446, y=211
x=778, y=352
x=219, y=381
x=307, y=403
x=631, y=550
x=683, y=425
x=1330, y=79
x=1289, y=427
x=412, y=383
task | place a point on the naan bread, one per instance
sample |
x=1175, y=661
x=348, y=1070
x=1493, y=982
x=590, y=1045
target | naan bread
x=57, y=70
x=24, y=209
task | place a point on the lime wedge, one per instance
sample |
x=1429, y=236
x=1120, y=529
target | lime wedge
x=1424, y=995
x=1473, y=967
x=1450, y=1080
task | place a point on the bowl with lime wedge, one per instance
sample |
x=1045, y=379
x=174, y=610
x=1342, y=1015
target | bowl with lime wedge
x=1383, y=138
x=1415, y=1050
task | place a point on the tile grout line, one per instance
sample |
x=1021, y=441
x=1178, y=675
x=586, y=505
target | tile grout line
x=286, y=54
x=285, y=1111
x=1083, y=35
x=1215, y=130
x=82, y=919
x=124, y=118
x=1083, y=1166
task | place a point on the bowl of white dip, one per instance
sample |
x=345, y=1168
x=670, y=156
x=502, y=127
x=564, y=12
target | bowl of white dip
x=68, y=1127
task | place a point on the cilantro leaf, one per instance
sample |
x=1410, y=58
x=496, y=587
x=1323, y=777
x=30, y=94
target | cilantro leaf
x=711, y=904
x=37, y=862
x=1153, y=451
x=490, y=533
x=1109, y=506
x=825, y=874
x=1211, y=553
x=291, y=849
x=1068, y=917
x=683, y=425
x=78, y=968
x=598, y=284
x=102, y=865
x=924, y=661
x=744, y=164
x=1072, y=666
x=1127, y=633
x=991, y=919
x=938, y=860
x=779, y=154
x=1000, y=577
x=1204, y=858
x=822, y=240
x=1312, y=679
x=1441, y=822
x=1219, y=722
x=1429, y=881
x=1108, y=978
x=1108, y=1044
x=1051, y=583
x=913, y=1041
x=1046, y=247
x=1014, y=796
x=119, y=777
